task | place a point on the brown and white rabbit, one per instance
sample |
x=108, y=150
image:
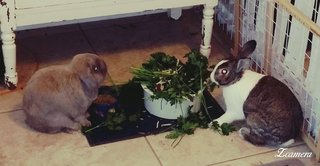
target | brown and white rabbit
x=56, y=98
x=272, y=112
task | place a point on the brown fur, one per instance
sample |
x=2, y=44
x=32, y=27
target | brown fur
x=273, y=113
x=56, y=98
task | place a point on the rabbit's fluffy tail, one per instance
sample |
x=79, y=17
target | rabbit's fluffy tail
x=286, y=144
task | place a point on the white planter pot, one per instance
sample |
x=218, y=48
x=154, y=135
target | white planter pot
x=163, y=109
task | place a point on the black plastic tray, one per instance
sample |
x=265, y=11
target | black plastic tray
x=131, y=100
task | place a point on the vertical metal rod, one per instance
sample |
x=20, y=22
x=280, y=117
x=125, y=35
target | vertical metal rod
x=268, y=35
x=237, y=18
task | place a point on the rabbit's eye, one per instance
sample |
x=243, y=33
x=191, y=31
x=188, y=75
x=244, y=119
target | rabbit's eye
x=95, y=69
x=224, y=71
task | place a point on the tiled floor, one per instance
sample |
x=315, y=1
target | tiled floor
x=123, y=43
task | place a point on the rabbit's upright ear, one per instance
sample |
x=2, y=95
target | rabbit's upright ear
x=243, y=64
x=247, y=49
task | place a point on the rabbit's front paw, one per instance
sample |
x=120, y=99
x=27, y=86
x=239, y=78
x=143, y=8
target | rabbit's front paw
x=87, y=114
x=210, y=124
x=72, y=128
x=83, y=121
x=243, y=132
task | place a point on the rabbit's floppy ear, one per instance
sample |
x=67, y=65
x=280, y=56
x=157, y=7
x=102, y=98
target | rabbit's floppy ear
x=243, y=64
x=91, y=71
x=95, y=74
x=89, y=85
x=247, y=49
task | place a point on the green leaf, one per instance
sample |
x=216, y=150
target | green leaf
x=174, y=134
x=179, y=80
x=215, y=125
x=227, y=128
x=224, y=129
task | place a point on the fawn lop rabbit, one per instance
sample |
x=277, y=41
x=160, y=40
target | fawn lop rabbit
x=56, y=98
x=272, y=112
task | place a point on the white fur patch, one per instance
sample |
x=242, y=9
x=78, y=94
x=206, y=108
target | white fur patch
x=214, y=71
x=288, y=143
x=236, y=94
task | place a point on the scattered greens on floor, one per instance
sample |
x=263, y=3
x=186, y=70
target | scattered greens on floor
x=223, y=129
x=187, y=126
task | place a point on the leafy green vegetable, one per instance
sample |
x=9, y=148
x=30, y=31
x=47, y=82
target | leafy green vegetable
x=120, y=116
x=187, y=126
x=227, y=128
x=224, y=129
x=174, y=81
x=174, y=134
x=183, y=127
x=170, y=79
x=114, y=120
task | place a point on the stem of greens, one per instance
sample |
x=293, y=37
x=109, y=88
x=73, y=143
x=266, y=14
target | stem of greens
x=202, y=99
x=99, y=125
x=113, y=84
x=173, y=144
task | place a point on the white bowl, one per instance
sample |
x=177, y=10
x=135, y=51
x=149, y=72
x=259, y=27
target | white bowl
x=163, y=109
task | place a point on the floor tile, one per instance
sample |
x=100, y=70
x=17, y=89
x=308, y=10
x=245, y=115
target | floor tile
x=27, y=64
x=137, y=35
x=203, y=148
x=119, y=22
x=20, y=145
x=120, y=64
x=55, y=45
x=269, y=158
x=11, y=101
x=46, y=31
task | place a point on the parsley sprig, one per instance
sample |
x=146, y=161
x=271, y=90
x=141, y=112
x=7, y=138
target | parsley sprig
x=170, y=79
x=223, y=129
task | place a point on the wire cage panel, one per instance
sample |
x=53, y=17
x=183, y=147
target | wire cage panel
x=287, y=33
